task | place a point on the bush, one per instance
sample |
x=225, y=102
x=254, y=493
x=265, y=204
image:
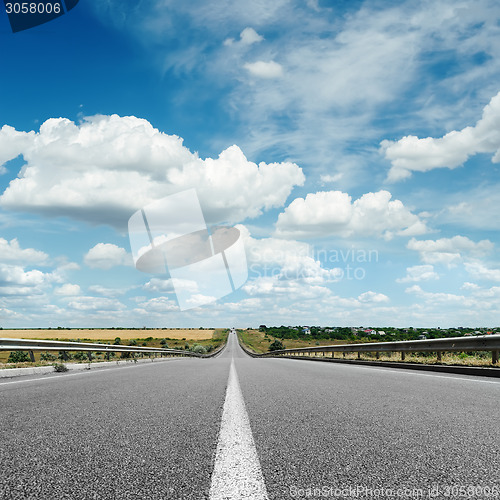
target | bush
x=276, y=346
x=60, y=367
x=117, y=341
x=163, y=343
x=47, y=356
x=80, y=355
x=198, y=348
x=18, y=357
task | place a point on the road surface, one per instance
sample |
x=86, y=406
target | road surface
x=239, y=427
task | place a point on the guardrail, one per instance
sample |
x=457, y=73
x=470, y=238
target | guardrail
x=454, y=344
x=32, y=345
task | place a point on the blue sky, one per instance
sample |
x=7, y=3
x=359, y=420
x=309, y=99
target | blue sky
x=354, y=144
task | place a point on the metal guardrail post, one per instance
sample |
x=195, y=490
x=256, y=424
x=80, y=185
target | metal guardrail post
x=32, y=356
x=64, y=355
x=402, y=356
x=494, y=357
x=439, y=356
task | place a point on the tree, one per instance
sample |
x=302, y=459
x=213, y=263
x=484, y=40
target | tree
x=276, y=346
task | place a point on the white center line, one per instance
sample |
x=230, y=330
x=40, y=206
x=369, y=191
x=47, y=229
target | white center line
x=237, y=473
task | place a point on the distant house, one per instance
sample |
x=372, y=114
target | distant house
x=381, y=332
x=306, y=330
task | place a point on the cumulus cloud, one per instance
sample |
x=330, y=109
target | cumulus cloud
x=327, y=213
x=419, y=273
x=286, y=260
x=479, y=271
x=247, y=37
x=158, y=285
x=158, y=305
x=14, y=280
x=265, y=69
x=373, y=297
x=274, y=286
x=108, y=292
x=449, y=251
x=91, y=304
x=437, y=297
x=68, y=290
x=106, y=256
x=13, y=143
x=10, y=251
x=411, y=154
x=107, y=167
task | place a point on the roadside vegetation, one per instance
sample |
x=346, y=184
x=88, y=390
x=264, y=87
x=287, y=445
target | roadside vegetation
x=19, y=359
x=271, y=338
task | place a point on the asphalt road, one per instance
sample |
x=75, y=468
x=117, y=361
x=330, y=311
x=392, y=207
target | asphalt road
x=321, y=430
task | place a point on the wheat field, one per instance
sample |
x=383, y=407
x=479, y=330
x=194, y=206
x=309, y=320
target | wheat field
x=108, y=334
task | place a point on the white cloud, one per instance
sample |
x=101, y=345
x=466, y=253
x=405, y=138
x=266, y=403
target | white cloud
x=10, y=251
x=159, y=305
x=449, y=251
x=158, y=285
x=13, y=143
x=411, y=154
x=274, y=286
x=106, y=256
x=247, y=37
x=373, y=297
x=327, y=178
x=479, y=271
x=419, y=273
x=119, y=164
x=286, y=260
x=265, y=69
x=438, y=297
x=328, y=213
x=14, y=280
x=90, y=304
x=68, y=290
x=108, y=292
x=469, y=286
